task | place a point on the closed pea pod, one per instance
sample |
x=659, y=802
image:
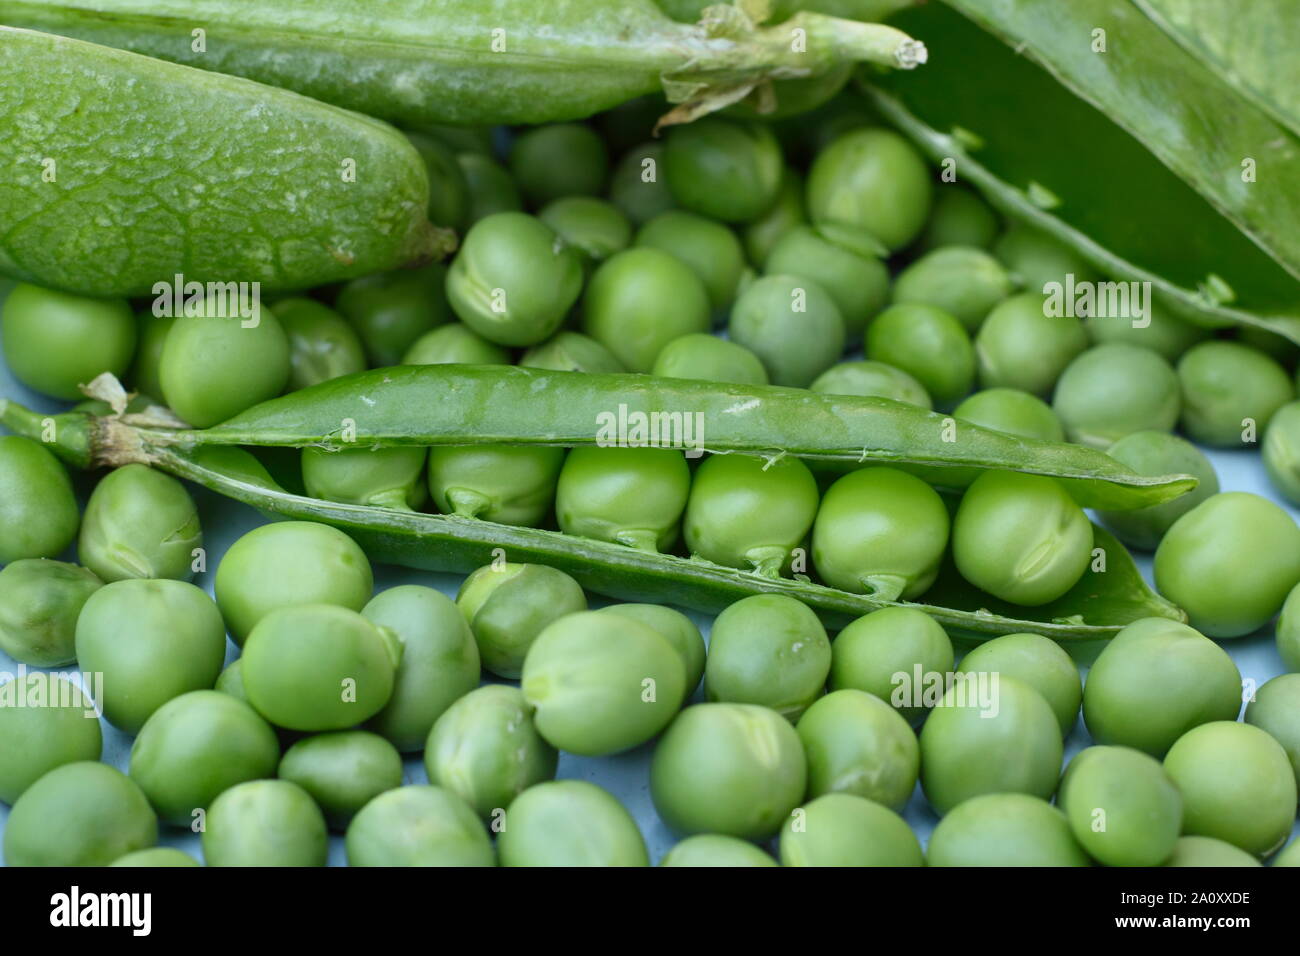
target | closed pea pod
x=383, y=477
x=40, y=601
x=631, y=496
x=508, y=484
x=38, y=512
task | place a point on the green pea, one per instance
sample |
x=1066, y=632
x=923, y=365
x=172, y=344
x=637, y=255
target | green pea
x=928, y=344
x=998, y=736
x=1281, y=451
x=486, y=749
x=600, y=684
x=265, y=823
x=343, y=771
x=562, y=159
x=489, y=188
x=1038, y=661
x=152, y=641
x=448, y=191
x=56, y=342
x=723, y=169
x=418, y=826
x=1290, y=856
x=841, y=829
x=231, y=681
x=856, y=743
x=1163, y=333
x=38, y=511
x=888, y=653
x=391, y=310
x=1288, y=631
x=146, y=371
x=1021, y=346
x=637, y=186
x=454, y=344
x=440, y=662
x=708, y=248
x=959, y=218
x=871, y=379
x=157, y=857
x=1004, y=829
x=1156, y=680
x=768, y=649
x=508, y=484
x=1158, y=453
x=677, y=629
x=1230, y=392
x=1237, y=785
x=1013, y=411
x=1203, y=851
x=40, y=600
x=1122, y=806
x=322, y=345
x=46, y=721
x=195, y=747
x=289, y=563
x=1038, y=259
x=710, y=359
x=1208, y=563
x=880, y=531
x=216, y=364
x=792, y=324
x=746, y=512
x=513, y=281
x=570, y=823
x=595, y=227
x=567, y=351
x=639, y=300
x=80, y=814
x=1020, y=537
x=631, y=496
x=140, y=523
x=714, y=849
x=379, y=477
x=838, y=261
x=1115, y=390
x=1276, y=711
x=733, y=769
x=319, y=667
x=964, y=281
x=508, y=605
x=761, y=236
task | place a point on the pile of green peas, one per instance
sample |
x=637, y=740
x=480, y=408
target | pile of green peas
x=277, y=691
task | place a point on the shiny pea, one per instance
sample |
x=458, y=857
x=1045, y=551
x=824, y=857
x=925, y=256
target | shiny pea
x=40, y=601
x=508, y=605
x=631, y=496
x=508, y=484
x=38, y=511
x=379, y=477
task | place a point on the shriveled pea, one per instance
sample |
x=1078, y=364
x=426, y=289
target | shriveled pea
x=1021, y=346
x=856, y=743
x=265, y=823
x=563, y=159
x=489, y=188
x=1122, y=806
x=568, y=351
x=899, y=654
x=631, y=496
x=391, y=310
x=38, y=511
x=1013, y=411
x=722, y=168
x=508, y=605
x=55, y=342
x=322, y=345
x=874, y=180
x=343, y=771
x=792, y=324
x=40, y=601
x=140, y=523
x=418, y=826
x=382, y=477
x=709, y=248
x=1004, y=829
x=35, y=740
x=454, y=342
x=867, y=378
x=842, y=829
x=508, y=484
x=927, y=343
x=964, y=281
x=1159, y=453
x=1038, y=661
x=709, y=358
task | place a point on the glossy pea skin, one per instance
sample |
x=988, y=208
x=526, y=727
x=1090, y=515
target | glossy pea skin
x=1038, y=661
x=448, y=191
x=151, y=336
x=1230, y=393
x=322, y=345
x=1020, y=537
x=871, y=379
x=1111, y=391
x=152, y=641
x=1281, y=451
x=418, y=826
x=710, y=249
x=567, y=351
x=600, y=684
x=768, y=649
x=570, y=823
x=638, y=186
x=55, y=342
x=734, y=769
x=343, y=771
x=486, y=749
x=1004, y=829
x=34, y=740
x=723, y=169
x=265, y=823
x=195, y=747
x=857, y=743
x=513, y=281
x=1237, y=785
x=880, y=531
x=1276, y=711
x=1156, y=680
x=439, y=665
x=508, y=484
x=1288, y=631
x=631, y=496
x=746, y=512
x=389, y=311
x=639, y=300
x=390, y=477
x=1021, y=346
x=885, y=653
x=595, y=227
x=1201, y=851
x=140, y=523
x=508, y=605
x=454, y=343
x=1016, y=748
x=714, y=849
x=80, y=814
x=959, y=217
x=854, y=276
x=156, y=857
x=711, y=359
x=677, y=629
x=217, y=364
x=231, y=681
x=1037, y=259
x=38, y=511
x=1230, y=562
x=1013, y=411
x=40, y=601
x=927, y=343
x=489, y=187
x=1122, y=806
x=841, y=829
x=288, y=563
x=1164, y=333
x=319, y=667
x=792, y=324
x=1158, y=453
x=761, y=236
x=872, y=179
x=558, y=160
x=963, y=281
x=1288, y=856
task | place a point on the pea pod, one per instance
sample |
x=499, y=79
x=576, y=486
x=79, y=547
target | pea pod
x=468, y=62
x=211, y=177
